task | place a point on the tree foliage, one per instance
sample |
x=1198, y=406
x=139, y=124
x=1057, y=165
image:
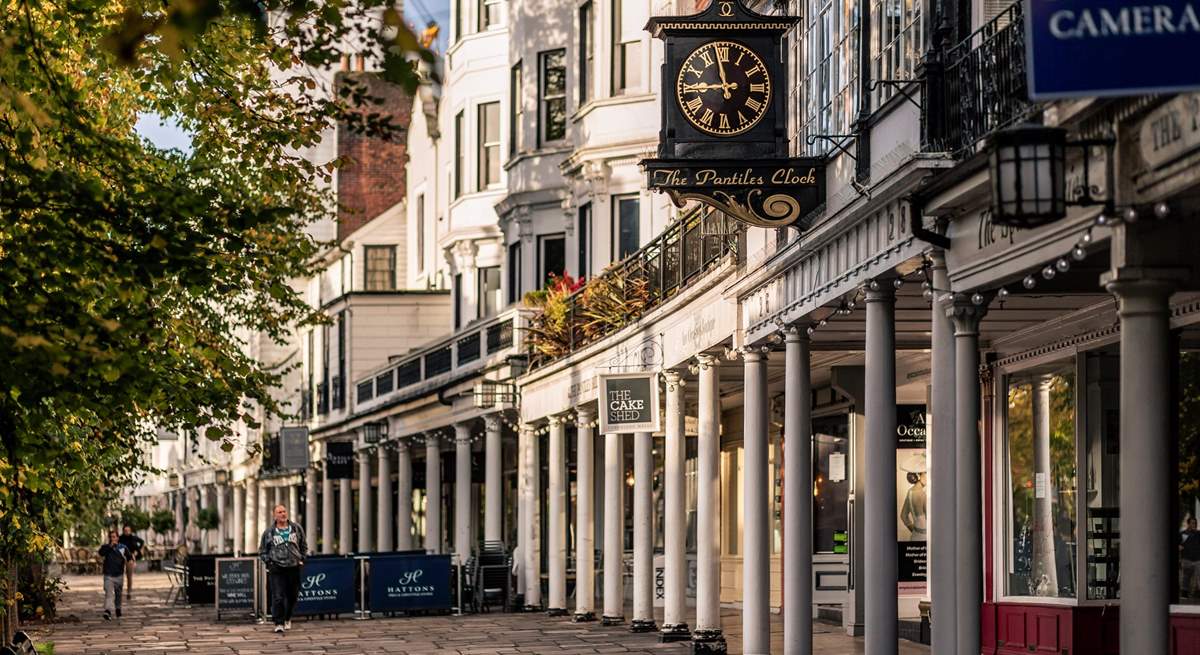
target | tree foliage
x=130, y=275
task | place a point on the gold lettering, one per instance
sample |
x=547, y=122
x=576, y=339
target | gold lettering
x=754, y=70
x=722, y=53
x=724, y=122
x=694, y=104
x=758, y=88
x=707, y=59
x=707, y=118
x=726, y=9
x=741, y=119
x=753, y=104
x=741, y=53
x=694, y=71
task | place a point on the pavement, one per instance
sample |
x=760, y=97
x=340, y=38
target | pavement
x=151, y=626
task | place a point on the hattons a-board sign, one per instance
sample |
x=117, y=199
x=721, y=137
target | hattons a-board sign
x=628, y=402
x=723, y=140
x=236, y=581
x=409, y=582
x=326, y=586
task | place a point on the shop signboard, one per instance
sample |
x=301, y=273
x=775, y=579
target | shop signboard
x=293, y=448
x=236, y=579
x=1128, y=48
x=201, y=578
x=409, y=582
x=628, y=402
x=912, y=499
x=339, y=460
x=326, y=586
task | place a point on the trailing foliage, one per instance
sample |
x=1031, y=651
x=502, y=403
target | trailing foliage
x=550, y=330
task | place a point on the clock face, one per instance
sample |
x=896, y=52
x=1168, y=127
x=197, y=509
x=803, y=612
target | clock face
x=723, y=88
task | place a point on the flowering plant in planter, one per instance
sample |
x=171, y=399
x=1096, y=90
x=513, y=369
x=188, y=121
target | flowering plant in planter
x=611, y=300
x=550, y=330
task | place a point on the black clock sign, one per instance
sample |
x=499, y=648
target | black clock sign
x=723, y=88
x=724, y=135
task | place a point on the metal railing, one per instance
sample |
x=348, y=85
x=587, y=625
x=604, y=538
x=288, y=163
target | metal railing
x=982, y=88
x=462, y=349
x=687, y=249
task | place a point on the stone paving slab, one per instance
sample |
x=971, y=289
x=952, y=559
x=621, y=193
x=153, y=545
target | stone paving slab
x=151, y=626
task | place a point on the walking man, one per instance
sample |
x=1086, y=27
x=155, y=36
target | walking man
x=283, y=548
x=135, y=544
x=115, y=556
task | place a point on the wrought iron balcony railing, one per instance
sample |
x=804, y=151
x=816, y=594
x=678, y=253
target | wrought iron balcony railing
x=981, y=88
x=675, y=260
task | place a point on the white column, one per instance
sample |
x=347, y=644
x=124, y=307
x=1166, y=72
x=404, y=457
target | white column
x=328, y=534
x=310, y=507
x=532, y=526
x=643, y=531
x=345, y=517
x=707, y=635
x=433, y=493
x=462, y=491
x=614, y=530
x=585, y=545
x=943, y=531
x=557, y=510
x=1147, y=533
x=239, y=520
x=756, y=631
x=493, y=484
x=264, y=509
x=197, y=502
x=293, y=501
x=223, y=526
x=366, y=519
x=404, y=522
x=384, y=515
x=250, y=529
x=674, y=627
x=797, y=503
x=879, y=507
x=523, y=517
x=968, y=476
x=180, y=522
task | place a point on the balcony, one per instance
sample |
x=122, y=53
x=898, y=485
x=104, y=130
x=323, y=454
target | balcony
x=982, y=88
x=469, y=351
x=687, y=249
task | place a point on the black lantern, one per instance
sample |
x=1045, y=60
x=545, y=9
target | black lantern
x=1028, y=165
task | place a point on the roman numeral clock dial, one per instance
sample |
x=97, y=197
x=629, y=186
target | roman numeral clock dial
x=723, y=88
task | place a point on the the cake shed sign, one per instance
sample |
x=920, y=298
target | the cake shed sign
x=628, y=403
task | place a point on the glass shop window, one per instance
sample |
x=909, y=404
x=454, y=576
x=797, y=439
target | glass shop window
x=1101, y=427
x=1041, y=481
x=831, y=484
x=1189, y=477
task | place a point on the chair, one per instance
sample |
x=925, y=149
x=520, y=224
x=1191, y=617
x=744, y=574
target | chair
x=177, y=577
x=493, y=576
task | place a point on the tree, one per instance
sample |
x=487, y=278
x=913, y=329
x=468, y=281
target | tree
x=127, y=273
x=135, y=517
x=162, y=521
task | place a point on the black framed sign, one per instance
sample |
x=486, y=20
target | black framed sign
x=723, y=140
x=236, y=585
x=339, y=460
x=628, y=402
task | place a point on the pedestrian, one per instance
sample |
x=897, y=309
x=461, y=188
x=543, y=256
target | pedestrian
x=1189, y=560
x=115, y=555
x=135, y=544
x=283, y=549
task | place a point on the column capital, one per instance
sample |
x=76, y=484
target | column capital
x=795, y=334
x=706, y=361
x=966, y=314
x=881, y=290
x=755, y=353
x=492, y=422
x=555, y=420
x=674, y=379
x=528, y=429
x=584, y=416
x=462, y=432
x=1141, y=291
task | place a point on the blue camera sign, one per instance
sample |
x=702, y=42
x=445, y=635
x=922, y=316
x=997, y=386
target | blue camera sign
x=1079, y=48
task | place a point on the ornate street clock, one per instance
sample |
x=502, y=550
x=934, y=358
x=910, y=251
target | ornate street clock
x=723, y=140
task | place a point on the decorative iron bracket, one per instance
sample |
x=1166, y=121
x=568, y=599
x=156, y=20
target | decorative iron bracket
x=898, y=84
x=839, y=141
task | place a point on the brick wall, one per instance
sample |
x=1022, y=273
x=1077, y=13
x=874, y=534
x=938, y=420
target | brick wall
x=372, y=180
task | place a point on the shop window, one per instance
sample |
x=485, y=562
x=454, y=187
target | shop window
x=1189, y=477
x=831, y=484
x=1101, y=427
x=732, y=460
x=1041, y=468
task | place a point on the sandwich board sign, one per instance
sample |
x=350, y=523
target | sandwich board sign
x=628, y=402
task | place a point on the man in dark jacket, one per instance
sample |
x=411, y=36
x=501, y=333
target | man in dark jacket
x=114, y=555
x=135, y=544
x=283, y=548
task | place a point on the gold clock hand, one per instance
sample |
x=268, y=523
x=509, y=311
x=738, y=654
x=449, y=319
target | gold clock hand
x=701, y=86
x=721, y=70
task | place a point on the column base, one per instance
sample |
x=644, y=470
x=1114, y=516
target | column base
x=532, y=608
x=708, y=641
x=611, y=620
x=583, y=617
x=556, y=611
x=674, y=632
x=643, y=625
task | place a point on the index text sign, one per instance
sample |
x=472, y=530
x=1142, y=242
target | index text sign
x=628, y=403
x=1111, y=47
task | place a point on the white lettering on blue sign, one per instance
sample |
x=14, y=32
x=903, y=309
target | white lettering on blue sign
x=1126, y=21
